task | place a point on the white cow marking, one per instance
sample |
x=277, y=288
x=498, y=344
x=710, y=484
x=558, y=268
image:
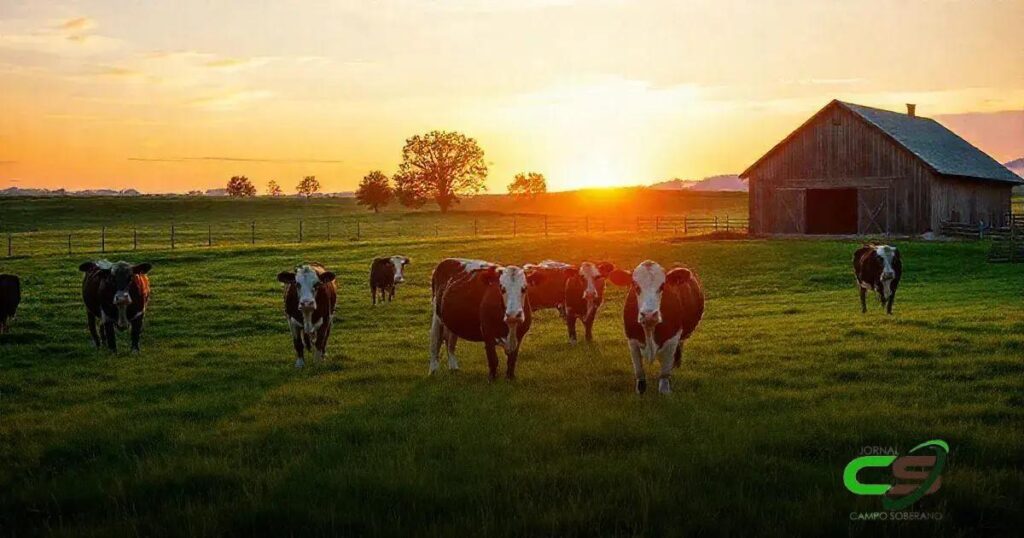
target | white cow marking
x=399, y=262
x=887, y=254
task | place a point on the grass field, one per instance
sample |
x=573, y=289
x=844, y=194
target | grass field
x=211, y=430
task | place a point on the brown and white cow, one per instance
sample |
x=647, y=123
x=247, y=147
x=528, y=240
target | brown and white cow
x=577, y=292
x=310, y=296
x=385, y=275
x=480, y=302
x=878, y=268
x=117, y=294
x=662, y=310
x=10, y=298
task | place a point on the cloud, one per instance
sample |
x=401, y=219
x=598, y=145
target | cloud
x=236, y=159
x=231, y=100
x=78, y=24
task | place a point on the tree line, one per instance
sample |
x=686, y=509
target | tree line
x=438, y=166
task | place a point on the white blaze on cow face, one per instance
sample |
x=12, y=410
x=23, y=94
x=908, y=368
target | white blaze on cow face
x=886, y=253
x=590, y=274
x=512, y=283
x=468, y=265
x=399, y=262
x=306, y=283
x=649, y=283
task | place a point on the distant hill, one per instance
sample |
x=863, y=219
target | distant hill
x=1016, y=166
x=16, y=191
x=721, y=183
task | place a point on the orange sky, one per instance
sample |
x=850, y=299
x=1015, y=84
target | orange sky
x=172, y=96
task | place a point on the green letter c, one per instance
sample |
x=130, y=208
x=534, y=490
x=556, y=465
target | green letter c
x=854, y=467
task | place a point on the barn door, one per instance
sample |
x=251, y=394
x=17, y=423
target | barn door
x=789, y=211
x=873, y=211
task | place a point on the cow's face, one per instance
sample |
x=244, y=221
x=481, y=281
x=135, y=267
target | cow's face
x=887, y=254
x=399, y=263
x=648, y=281
x=593, y=276
x=512, y=282
x=307, y=282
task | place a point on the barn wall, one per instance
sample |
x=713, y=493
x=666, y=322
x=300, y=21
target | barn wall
x=970, y=201
x=838, y=149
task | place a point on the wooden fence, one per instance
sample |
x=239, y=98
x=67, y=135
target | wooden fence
x=1007, y=241
x=190, y=235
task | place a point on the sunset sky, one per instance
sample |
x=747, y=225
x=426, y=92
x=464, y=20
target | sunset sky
x=172, y=96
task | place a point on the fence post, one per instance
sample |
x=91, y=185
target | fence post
x=638, y=223
x=103, y=239
x=69, y=244
x=514, y=222
x=545, y=225
x=657, y=224
x=300, y=230
x=209, y=235
x=437, y=231
x=8, y=245
x=586, y=223
x=252, y=233
x=357, y=230
x=686, y=225
x=716, y=223
x=135, y=239
x=476, y=231
x=727, y=223
x=172, y=236
x=328, y=229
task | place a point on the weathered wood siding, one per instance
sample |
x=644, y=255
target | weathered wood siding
x=839, y=149
x=970, y=201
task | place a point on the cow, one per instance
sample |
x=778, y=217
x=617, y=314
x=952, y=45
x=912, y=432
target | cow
x=662, y=310
x=878, y=268
x=480, y=302
x=575, y=291
x=10, y=298
x=310, y=297
x=117, y=294
x=385, y=274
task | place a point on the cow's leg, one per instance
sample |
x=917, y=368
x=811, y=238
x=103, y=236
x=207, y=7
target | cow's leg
x=677, y=360
x=510, y=369
x=638, y=366
x=436, y=339
x=92, y=330
x=136, y=333
x=391, y=293
x=570, y=324
x=297, y=343
x=321, y=341
x=863, y=300
x=111, y=336
x=492, y=360
x=453, y=363
x=588, y=328
x=373, y=295
x=888, y=305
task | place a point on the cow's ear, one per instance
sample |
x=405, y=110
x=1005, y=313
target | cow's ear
x=88, y=267
x=406, y=260
x=605, y=268
x=286, y=277
x=620, y=277
x=142, y=268
x=326, y=277
x=679, y=275
x=534, y=278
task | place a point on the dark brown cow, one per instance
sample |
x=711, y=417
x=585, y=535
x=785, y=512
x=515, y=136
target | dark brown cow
x=662, y=310
x=385, y=274
x=310, y=296
x=878, y=268
x=10, y=298
x=480, y=302
x=577, y=292
x=117, y=294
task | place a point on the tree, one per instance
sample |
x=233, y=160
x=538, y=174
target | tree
x=442, y=166
x=273, y=189
x=528, y=184
x=374, y=191
x=241, y=187
x=408, y=193
x=308, y=186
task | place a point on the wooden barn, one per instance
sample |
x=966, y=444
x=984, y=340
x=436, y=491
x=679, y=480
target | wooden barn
x=852, y=169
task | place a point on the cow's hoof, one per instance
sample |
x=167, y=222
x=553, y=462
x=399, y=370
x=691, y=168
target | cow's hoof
x=453, y=370
x=432, y=368
x=641, y=386
x=135, y=351
x=664, y=386
x=299, y=363
x=572, y=341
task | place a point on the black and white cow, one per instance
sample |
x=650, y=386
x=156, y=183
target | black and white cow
x=662, y=310
x=10, y=298
x=310, y=298
x=878, y=268
x=385, y=275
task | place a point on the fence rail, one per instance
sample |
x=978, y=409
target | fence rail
x=193, y=235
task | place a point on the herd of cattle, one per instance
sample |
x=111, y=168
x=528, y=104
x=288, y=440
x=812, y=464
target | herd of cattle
x=474, y=300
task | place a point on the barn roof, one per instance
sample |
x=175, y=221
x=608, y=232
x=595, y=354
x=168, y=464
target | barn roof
x=938, y=147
